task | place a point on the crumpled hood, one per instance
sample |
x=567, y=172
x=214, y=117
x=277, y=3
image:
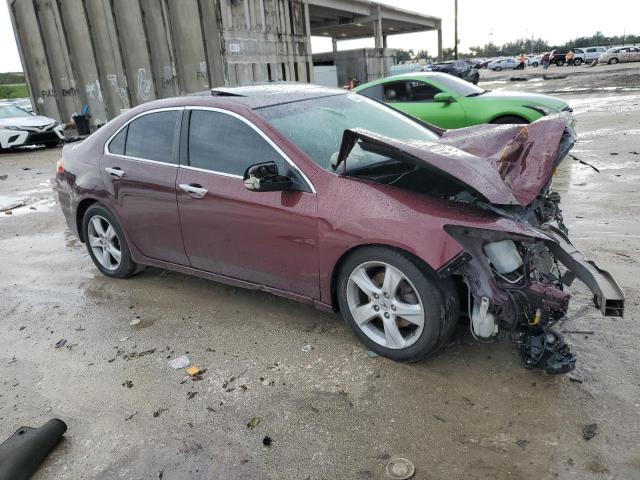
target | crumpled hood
x=505, y=164
x=31, y=121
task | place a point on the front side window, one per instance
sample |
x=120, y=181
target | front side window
x=316, y=125
x=396, y=92
x=225, y=144
x=149, y=137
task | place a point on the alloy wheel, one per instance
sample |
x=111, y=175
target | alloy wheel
x=385, y=305
x=104, y=242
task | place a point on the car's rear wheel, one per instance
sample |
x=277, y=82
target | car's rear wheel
x=577, y=62
x=559, y=63
x=535, y=64
x=476, y=79
x=106, y=243
x=395, y=307
x=509, y=119
x=613, y=61
x=497, y=69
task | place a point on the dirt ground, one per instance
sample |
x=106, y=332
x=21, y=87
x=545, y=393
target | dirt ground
x=472, y=412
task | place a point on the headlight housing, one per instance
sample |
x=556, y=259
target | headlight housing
x=10, y=127
x=543, y=110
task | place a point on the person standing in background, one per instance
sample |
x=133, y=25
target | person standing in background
x=521, y=59
x=545, y=60
x=570, y=56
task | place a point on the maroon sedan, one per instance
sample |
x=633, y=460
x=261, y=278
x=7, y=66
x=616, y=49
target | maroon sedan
x=335, y=200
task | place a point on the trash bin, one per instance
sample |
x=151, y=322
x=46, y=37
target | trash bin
x=82, y=123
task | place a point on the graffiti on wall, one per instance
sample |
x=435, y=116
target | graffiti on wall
x=169, y=77
x=144, y=86
x=121, y=92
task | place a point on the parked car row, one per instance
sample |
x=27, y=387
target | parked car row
x=335, y=199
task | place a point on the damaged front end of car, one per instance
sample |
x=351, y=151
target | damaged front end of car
x=518, y=266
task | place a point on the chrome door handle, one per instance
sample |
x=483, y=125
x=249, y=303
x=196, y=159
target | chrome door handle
x=193, y=189
x=115, y=172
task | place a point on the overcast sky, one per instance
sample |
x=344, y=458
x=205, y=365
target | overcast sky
x=480, y=21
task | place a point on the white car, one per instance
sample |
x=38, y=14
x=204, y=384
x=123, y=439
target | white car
x=503, y=64
x=534, y=61
x=587, y=54
x=19, y=128
x=620, y=54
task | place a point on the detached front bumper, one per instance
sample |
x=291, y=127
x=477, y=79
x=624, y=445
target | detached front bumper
x=607, y=294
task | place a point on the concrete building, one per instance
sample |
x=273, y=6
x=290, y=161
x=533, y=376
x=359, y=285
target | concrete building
x=115, y=54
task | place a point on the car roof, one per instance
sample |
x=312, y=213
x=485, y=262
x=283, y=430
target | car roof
x=405, y=76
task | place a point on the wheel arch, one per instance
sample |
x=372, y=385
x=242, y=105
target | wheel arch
x=510, y=114
x=82, y=208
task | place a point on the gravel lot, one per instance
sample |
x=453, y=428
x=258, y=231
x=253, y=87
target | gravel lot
x=472, y=412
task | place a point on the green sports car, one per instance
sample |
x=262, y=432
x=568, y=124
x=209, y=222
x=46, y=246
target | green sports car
x=449, y=102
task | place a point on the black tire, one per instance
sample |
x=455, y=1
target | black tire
x=497, y=69
x=439, y=299
x=127, y=266
x=577, y=62
x=612, y=61
x=51, y=144
x=476, y=79
x=559, y=63
x=535, y=64
x=509, y=119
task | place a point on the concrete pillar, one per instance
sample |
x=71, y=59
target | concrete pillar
x=334, y=41
x=377, y=29
x=384, y=41
x=439, y=43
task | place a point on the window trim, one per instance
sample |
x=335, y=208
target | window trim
x=273, y=145
x=125, y=125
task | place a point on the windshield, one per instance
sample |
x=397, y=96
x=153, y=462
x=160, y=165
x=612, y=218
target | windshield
x=316, y=126
x=457, y=85
x=9, y=111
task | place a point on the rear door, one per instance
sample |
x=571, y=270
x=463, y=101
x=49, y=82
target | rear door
x=139, y=169
x=266, y=238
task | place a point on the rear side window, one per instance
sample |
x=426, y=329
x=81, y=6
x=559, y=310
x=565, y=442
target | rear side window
x=396, y=92
x=222, y=143
x=422, y=92
x=150, y=137
x=374, y=92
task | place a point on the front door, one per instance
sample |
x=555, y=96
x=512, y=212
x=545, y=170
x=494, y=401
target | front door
x=267, y=238
x=415, y=97
x=139, y=170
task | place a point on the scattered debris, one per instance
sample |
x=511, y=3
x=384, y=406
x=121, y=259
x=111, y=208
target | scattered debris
x=518, y=79
x=80, y=329
x=26, y=168
x=579, y=160
x=61, y=343
x=190, y=395
x=158, y=412
x=438, y=417
x=575, y=379
x=124, y=339
x=13, y=360
x=307, y=348
x=3, y=177
x=129, y=417
x=180, y=362
x=632, y=153
x=11, y=206
x=400, y=469
x=546, y=349
x=553, y=77
x=590, y=431
x=253, y=423
x=211, y=409
x=127, y=383
x=135, y=321
x=580, y=332
x=266, y=441
x=129, y=356
x=195, y=371
x=244, y=388
x=613, y=153
x=522, y=443
x=372, y=354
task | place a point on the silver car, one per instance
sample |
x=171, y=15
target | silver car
x=620, y=54
x=587, y=54
x=503, y=64
x=19, y=128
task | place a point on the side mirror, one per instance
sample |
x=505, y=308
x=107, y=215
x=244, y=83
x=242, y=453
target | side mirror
x=443, y=98
x=264, y=177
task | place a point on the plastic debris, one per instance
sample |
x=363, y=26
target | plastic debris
x=307, y=348
x=158, y=412
x=190, y=395
x=590, y=431
x=180, y=362
x=135, y=321
x=400, y=469
x=61, y=343
x=266, y=441
x=372, y=354
x=127, y=383
x=131, y=355
x=253, y=423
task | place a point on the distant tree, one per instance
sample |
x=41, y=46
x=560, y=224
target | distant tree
x=422, y=54
x=404, y=55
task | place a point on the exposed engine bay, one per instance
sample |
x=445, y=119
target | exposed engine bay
x=515, y=280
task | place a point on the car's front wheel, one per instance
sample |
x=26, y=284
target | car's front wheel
x=534, y=64
x=577, y=62
x=497, y=69
x=106, y=243
x=395, y=307
x=509, y=119
x=613, y=61
x=560, y=63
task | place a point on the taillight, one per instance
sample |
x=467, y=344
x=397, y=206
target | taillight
x=59, y=167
